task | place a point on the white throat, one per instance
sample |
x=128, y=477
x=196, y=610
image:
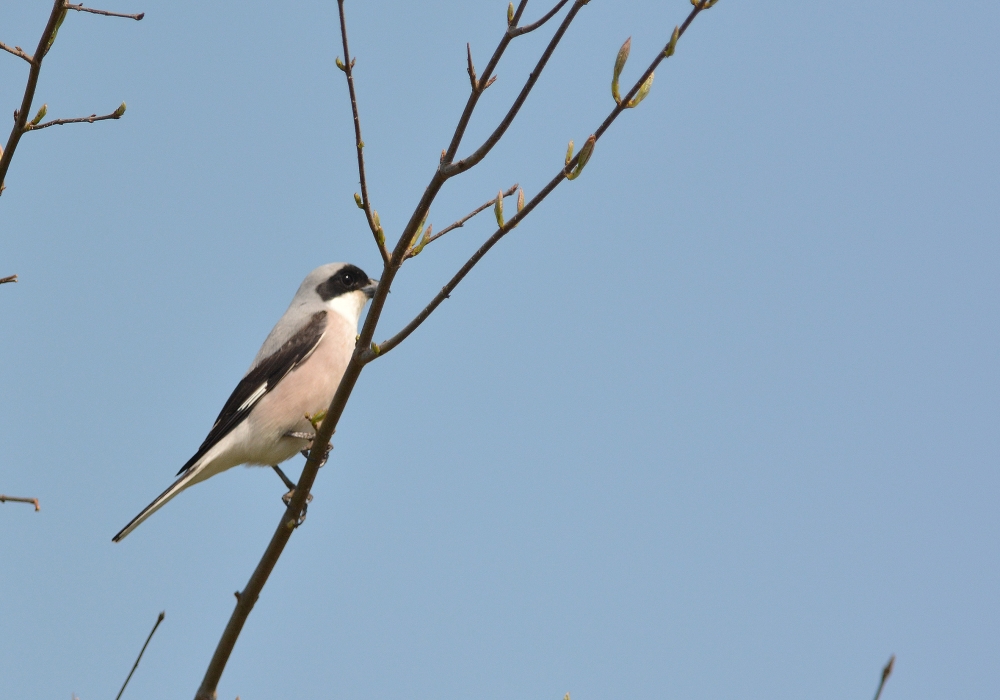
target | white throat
x=349, y=306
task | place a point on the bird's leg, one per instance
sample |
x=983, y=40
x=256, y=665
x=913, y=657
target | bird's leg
x=287, y=498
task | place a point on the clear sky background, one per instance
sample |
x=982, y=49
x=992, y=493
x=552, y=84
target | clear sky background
x=718, y=421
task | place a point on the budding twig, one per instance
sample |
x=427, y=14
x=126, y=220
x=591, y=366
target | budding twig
x=478, y=210
x=117, y=114
x=20, y=499
x=81, y=8
x=5, y=280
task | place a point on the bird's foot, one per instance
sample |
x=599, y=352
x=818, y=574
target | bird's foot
x=300, y=436
x=326, y=456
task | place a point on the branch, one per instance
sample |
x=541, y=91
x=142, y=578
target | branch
x=20, y=499
x=5, y=280
x=159, y=619
x=21, y=118
x=461, y=222
x=362, y=354
x=572, y=166
x=17, y=51
x=365, y=203
x=81, y=8
x=886, y=672
x=518, y=31
x=450, y=170
x=117, y=114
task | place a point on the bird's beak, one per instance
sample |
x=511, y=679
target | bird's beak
x=370, y=288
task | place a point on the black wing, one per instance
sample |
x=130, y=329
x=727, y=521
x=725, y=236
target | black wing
x=260, y=380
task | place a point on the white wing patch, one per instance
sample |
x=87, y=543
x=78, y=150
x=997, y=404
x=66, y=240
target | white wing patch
x=254, y=397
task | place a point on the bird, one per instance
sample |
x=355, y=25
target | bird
x=293, y=377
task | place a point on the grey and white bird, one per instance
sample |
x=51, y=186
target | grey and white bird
x=295, y=374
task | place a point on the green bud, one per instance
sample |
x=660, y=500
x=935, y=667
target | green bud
x=357, y=200
x=673, y=42
x=498, y=208
x=569, y=153
x=643, y=91
x=581, y=161
x=120, y=111
x=340, y=64
x=623, y=53
x=38, y=117
x=376, y=349
x=520, y=200
x=510, y=13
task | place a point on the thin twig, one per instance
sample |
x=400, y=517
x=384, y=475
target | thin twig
x=29, y=89
x=461, y=222
x=5, y=280
x=81, y=8
x=20, y=499
x=159, y=619
x=470, y=105
x=509, y=225
x=17, y=51
x=348, y=69
x=90, y=120
x=451, y=169
x=518, y=31
x=886, y=672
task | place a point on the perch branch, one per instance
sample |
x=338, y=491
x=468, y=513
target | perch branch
x=5, y=280
x=365, y=350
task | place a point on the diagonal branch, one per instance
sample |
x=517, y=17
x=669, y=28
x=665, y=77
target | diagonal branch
x=81, y=8
x=362, y=354
x=17, y=51
x=452, y=169
x=159, y=619
x=366, y=205
x=382, y=348
x=20, y=499
x=5, y=280
x=29, y=90
x=886, y=672
x=117, y=114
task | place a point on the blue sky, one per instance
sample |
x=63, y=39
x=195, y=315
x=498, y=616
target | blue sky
x=719, y=420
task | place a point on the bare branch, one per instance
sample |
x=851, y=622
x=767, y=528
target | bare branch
x=81, y=8
x=450, y=169
x=5, y=280
x=117, y=114
x=365, y=351
x=886, y=672
x=348, y=67
x=518, y=31
x=29, y=90
x=17, y=51
x=470, y=106
x=571, y=167
x=20, y=499
x=159, y=619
